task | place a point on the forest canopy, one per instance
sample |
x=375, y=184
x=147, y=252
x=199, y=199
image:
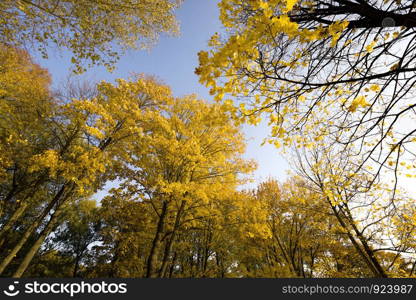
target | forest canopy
x=334, y=81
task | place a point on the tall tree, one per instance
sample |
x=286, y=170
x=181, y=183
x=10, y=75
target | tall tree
x=78, y=232
x=341, y=70
x=25, y=105
x=71, y=155
x=190, y=158
x=365, y=217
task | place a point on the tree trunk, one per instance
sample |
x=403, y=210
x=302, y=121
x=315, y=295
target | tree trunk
x=169, y=244
x=35, y=247
x=6, y=261
x=6, y=228
x=367, y=247
x=20, y=210
x=377, y=271
x=154, y=251
x=76, y=266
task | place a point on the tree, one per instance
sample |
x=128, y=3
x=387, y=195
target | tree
x=78, y=232
x=369, y=219
x=299, y=236
x=25, y=104
x=341, y=71
x=64, y=152
x=96, y=32
x=65, y=253
x=190, y=159
x=50, y=264
x=125, y=237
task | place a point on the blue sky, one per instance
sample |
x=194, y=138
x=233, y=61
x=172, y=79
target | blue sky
x=173, y=60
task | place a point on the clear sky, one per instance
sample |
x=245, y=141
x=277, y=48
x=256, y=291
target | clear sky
x=173, y=60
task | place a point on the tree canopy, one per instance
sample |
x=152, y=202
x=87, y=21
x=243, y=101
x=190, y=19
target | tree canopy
x=334, y=79
x=336, y=73
x=95, y=32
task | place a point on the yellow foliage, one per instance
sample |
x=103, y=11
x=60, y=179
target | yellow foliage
x=89, y=29
x=359, y=101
